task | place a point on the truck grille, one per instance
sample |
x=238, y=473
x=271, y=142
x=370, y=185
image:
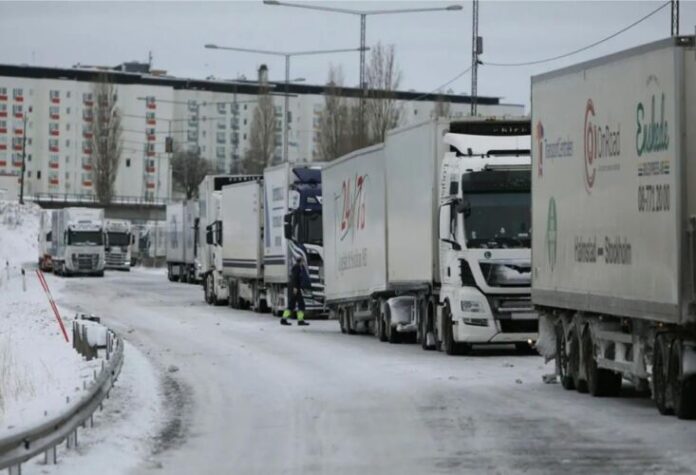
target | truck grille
x=115, y=260
x=86, y=261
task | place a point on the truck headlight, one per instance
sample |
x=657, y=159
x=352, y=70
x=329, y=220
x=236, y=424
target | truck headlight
x=471, y=306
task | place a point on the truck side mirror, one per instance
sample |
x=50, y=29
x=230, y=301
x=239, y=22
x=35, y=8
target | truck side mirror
x=445, y=226
x=287, y=228
x=209, y=236
x=464, y=207
x=132, y=239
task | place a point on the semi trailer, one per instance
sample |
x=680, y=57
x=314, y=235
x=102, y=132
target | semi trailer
x=293, y=229
x=45, y=241
x=614, y=219
x=428, y=234
x=78, y=238
x=209, y=256
x=182, y=241
x=119, y=238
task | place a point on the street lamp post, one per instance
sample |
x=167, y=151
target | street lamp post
x=363, y=26
x=24, y=156
x=287, y=56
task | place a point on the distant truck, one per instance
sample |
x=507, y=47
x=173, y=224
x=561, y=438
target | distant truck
x=182, y=243
x=209, y=256
x=78, y=238
x=46, y=240
x=428, y=235
x=614, y=219
x=119, y=238
x=293, y=229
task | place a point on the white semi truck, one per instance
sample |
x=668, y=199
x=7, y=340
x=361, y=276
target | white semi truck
x=428, y=234
x=293, y=228
x=614, y=219
x=242, y=244
x=45, y=240
x=119, y=237
x=182, y=222
x=78, y=239
x=209, y=257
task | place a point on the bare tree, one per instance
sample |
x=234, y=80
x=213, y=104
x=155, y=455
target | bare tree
x=442, y=107
x=339, y=131
x=383, y=76
x=188, y=170
x=105, y=142
x=262, y=135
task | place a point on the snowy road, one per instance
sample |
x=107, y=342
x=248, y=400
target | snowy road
x=245, y=395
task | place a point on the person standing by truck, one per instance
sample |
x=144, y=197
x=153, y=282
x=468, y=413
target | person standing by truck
x=298, y=280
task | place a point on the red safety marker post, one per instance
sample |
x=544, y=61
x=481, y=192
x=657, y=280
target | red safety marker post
x=42, y=280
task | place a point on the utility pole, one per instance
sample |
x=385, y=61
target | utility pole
x=363, y=80
x=476, y=41
x=24, y=156
x=675, y=18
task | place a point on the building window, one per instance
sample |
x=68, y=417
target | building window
x=54, y=112
x=245, y=122
x=54, y=95
x=220, y=151
x=3, y=110
x=67, y=159
x=17, y=110
x=67, y=143
x=150, y=102
x=128, y=162
x=87, y=98
x=203, y=134
x=67, y=94
x=221, y=137
x=67, y=110
x=221, y=107
x=245, y=137
x=67, y=126
x=221, y=124
x=192, y=135
x=150, y=118
x=3, y=93
x=38, y=175
x=192, y=105
x=245, y=108
x=18, y=94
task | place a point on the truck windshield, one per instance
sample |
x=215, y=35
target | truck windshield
x=495, y=220
x=118, y=239
x=310, y=231
x=85, y=238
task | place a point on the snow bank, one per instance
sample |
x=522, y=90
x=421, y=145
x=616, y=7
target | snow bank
x=39, y=370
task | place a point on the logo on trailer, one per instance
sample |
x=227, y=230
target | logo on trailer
x=652, y=136
x=601, y=144
x=353, y=213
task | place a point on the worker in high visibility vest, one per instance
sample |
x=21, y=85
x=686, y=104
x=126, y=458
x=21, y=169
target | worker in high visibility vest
x=299, y=279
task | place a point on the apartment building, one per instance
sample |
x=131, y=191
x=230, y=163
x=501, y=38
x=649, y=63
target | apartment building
x=48, y=113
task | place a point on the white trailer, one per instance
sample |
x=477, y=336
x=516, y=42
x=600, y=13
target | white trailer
x=45, y=240
x=182, y=224
x=420, y=234
x=119, y=237
x=293, y=229
x=78, y=237
x=242, y=244
x=209, y=256
x=614, y=214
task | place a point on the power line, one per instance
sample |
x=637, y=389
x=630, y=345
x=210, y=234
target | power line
x=584, y=48
x=441, y=86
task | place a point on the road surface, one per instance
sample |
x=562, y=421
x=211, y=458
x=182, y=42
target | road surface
x=244, y=395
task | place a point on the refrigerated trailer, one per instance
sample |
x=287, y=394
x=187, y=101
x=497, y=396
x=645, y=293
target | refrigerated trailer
x=209, y=256
x=428, y=234
x=45, y=240
x=182, y=223
x=293, y=224
x=119, y=237
x=78, y=238
x=614, y=219
x=241, y=213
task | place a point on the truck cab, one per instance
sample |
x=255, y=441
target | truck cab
x=485, y=237
x=80, y=238
x=119, y=237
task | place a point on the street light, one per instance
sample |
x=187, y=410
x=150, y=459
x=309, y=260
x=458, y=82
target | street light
x=287, y=56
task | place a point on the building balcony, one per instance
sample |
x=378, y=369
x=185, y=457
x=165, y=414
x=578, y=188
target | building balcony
x=3, y=163
x=3, y=146
x=3, y=97
x=150, y=169
x=54, y=133
x=19, y=115
x=3, y=113
x=150, y=138
x=17, y=148
x=87, y=151
x=3, y=130
x=151, y=121
x=87, y=183
x=152, y=105
x=18, y=131
x=55, y=100
x=53, y=181
x=50, y=149
x=19, y=98
x=54, y=165
x=87, y=135
x=54, y=116
x=150, y=185
x=87, y=167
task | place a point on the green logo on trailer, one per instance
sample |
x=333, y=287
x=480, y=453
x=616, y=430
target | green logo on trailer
x=551, y=233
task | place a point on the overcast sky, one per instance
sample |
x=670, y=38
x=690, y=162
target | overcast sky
x=431, y=47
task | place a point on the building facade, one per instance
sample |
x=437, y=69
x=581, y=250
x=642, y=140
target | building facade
x=47, y=114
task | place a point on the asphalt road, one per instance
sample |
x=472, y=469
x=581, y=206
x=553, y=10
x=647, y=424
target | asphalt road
x=244, y=395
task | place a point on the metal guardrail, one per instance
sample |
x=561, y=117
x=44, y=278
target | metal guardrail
x=91, y=199
x=45, y=437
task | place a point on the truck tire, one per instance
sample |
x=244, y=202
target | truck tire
x=564, y=373
x=427, y=325
x=451, y=347
x=392, y=335
x=349, y=322
x=342, y=320
x=208, y=289
x=659, y=375
x=600, y=382
x=683, y=389
x=574, y=361
x=170, y=274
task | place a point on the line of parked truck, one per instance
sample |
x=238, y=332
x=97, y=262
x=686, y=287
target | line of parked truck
x=79, y=241
x=574, y=230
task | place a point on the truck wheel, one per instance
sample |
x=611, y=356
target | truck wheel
x=342, y=320
x=427, y=324
x=208, y=289
x=564, y=373
x=349, y=322
x=392, y=334
x=580, y=384
x=659, y=376
x=381, y=328
x=451, y=347
x=600, y=382
x=683, y=389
